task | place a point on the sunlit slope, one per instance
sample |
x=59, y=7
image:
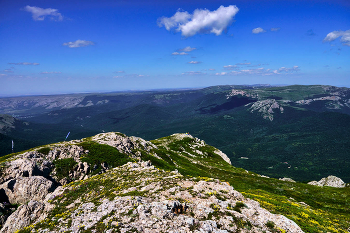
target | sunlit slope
x=314, y=209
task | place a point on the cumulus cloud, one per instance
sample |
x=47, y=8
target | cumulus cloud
x=200, y=22
x=119, y=71
x=78, y=43
x=25, y=63
x=344, y=37
x=186, y=49
x=194, y=62
x=193, y=73
x=243, y=64
x=39, y=14
x=211, y=69
x=51, y=72
x=275, y=29
x=177, y=53
x=258, y=30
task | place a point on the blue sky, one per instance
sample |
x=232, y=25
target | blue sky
x=59, y=46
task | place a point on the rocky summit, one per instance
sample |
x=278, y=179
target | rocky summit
x=114, y=183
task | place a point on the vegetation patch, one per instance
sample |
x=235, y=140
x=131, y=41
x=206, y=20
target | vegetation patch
x=99, y=153
x=63, y=167
x=44, y=150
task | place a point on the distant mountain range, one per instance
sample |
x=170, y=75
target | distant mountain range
x=301, y=132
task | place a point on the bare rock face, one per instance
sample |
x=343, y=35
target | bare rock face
x=21, y=168
x=23, y=189
x=23, y=216
x=266, y=108
x=331, y=181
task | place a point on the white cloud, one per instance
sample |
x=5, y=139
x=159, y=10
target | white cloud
x=39, y=14
x=258, y=30
x=243, y=64
x=275, y=29
x=187, y=49
x=261, y=71
x=344, y=37
x=180, y=17
x=288, y=70
x=230, y=67
x=79, y=43
x=211, y=69
x=194, y=62
x=119, y=71
x=254, y=65
x=176, y=53
x=3, y=74
x=9, y=70
x=131, y=76
x=51, y=72
x=201, y=21
x=193, y=73
x=25, y=63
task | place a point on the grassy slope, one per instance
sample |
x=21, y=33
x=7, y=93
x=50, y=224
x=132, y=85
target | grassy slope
x=326, y=209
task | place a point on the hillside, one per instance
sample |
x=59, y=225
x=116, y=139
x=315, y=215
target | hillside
x=301, y=132
x=114, y=183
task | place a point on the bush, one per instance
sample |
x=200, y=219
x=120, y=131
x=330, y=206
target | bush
x=99, y=153
x=44, y=150
x=63, y=166
x=270, y=224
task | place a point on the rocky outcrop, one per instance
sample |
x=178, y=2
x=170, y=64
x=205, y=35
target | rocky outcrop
x=24, y=189
x=123, y=143
x=235, y=92
x=170, y=204
x=331, y=181
x=266, y=108
x=23, y=216
x=287, y=179
x=133, y=197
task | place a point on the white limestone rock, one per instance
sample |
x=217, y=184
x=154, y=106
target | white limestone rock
x=331, y=181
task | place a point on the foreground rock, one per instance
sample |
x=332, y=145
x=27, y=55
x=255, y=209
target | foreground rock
x=138, y=197
x=25, y=189
x=331, y=181
x=23, y=216
x=134, y=197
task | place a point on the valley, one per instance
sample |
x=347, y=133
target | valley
x=301, y=132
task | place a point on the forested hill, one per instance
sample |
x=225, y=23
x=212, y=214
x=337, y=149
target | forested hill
x=297, y=131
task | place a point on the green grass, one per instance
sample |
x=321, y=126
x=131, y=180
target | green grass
x=99, y=153
x=44, y=150
x=63, y=167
